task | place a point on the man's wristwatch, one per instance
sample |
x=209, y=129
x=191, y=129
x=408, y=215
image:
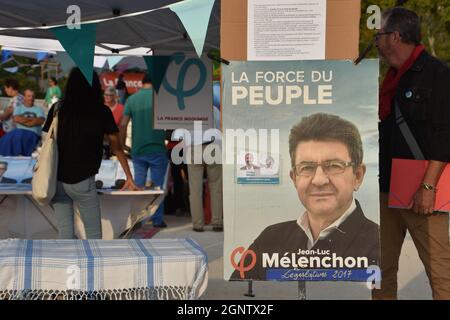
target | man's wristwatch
x=428, y=187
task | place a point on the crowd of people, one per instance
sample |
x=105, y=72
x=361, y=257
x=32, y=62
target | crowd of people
x=92, y=126
x=22, y=119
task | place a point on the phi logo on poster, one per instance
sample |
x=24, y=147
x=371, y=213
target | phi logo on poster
x=240, y=265
x=178, y=90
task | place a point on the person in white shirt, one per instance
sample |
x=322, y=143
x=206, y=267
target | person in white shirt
x=24, y=138
x=196, y=145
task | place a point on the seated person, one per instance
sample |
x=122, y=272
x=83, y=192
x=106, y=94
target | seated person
x=28, y=118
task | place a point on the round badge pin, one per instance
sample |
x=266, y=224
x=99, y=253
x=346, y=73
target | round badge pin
x=408, y=94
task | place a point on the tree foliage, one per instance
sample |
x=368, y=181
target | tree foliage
x=435, y=19
x=27, y=76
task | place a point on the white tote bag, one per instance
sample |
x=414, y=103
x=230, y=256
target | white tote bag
x=45, y=171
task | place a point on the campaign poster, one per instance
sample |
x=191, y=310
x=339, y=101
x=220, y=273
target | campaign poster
x=15, y=172
x=314, y=124
x=185, y=95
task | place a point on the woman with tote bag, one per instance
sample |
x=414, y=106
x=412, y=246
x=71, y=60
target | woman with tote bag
x=83, y=120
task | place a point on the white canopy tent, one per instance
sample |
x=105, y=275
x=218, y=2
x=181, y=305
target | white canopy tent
x=25, y=52
x=153, y=27
x=29, y=47
x=53, y=46
x=138, y=23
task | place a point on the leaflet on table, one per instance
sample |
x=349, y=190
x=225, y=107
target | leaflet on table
x=16, y=170
x=16, y=173
x=111, y=172
x=120, y=175
x=107, y=174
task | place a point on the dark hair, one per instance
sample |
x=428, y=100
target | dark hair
x=327, y=127
x=405, y=21
x=80, y=101
x=147, y=79
x=12, y=83
x=54, y=80
x=80, y=94
x=5, y=164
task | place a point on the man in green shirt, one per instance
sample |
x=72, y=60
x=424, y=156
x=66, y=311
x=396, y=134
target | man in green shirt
x=148, y=145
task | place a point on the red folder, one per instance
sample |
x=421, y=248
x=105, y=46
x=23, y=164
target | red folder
x=406, y=178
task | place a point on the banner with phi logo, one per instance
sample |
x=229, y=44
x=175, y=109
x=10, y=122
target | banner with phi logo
x=186, y=94
x=300, y=185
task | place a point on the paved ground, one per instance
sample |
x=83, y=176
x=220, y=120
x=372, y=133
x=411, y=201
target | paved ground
x=413, y=283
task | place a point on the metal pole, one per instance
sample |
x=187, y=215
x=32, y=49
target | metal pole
x=250, y=289
x=301, y=290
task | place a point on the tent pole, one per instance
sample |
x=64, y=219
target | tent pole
x=12, y=15
x=150, y=44
x=155, y=26
x=101, y=45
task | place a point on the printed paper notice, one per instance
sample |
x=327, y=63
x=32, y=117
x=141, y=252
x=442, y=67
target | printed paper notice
x=286, y=30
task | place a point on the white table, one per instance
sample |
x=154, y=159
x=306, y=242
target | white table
x=21, y=217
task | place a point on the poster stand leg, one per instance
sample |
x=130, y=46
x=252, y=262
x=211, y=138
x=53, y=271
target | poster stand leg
x=301, y=290
x=301, y=294
x=250, y=290
x=36, y=206
x=3, y=199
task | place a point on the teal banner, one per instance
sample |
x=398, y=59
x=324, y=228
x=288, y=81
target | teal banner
x=195, y=16
x=113, y=60
x=157, y=67
x=80, y=45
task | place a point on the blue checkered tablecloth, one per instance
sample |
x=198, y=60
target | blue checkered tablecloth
x=96, y=269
